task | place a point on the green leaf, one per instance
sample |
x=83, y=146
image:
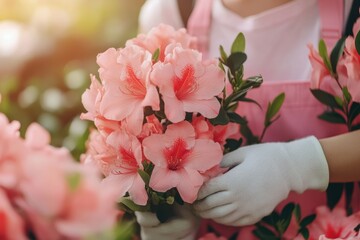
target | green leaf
x=244, y=99
x=235, y=61
x=236, y=118
x=337, y=52
x=221, y=119
x=223, y=54
x=253, y=81
x=232, y=144
x=145, y=176
x=333, y=194
x=349, y=190
x=354, y=111
x=347, y=94
x=73, y=180
x=326, y=98
x=324, y=55
x=238, y=44
x=264, y=231
x=305, y=233
x=274, y=107
x=332, y=117
x=307, y=220
x=126, y=201
x=297, y=213
x=156, y=54
x=357, y=42
x=286, y=215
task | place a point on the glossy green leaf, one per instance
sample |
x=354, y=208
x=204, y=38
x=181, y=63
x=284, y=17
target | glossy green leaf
x=332, y=117
x=145, y=176
x=221, y=119
x=297, y=213
x=126, y=201
x=305, y=233
x=235, y=61
x=238, y=44
x=307, y=220
x=156, y=54
x=223, y=54
x=333, y=194
x=357, y=42
x=354, y=111
x=324, y=54
x=326, y=98
x=337, y=52
x=274, y=107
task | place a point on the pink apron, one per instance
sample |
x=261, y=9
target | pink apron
x=298, y=113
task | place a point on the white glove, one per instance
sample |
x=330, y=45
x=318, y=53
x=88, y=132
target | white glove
x=262, y=176
x=184, y=226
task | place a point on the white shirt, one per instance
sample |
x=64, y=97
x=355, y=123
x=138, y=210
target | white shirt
x=276, y=39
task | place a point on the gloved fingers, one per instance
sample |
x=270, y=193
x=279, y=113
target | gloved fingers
x=214, y=200
x=147, y=219
x=212, y=186
x=236, y=157
x=218, y=212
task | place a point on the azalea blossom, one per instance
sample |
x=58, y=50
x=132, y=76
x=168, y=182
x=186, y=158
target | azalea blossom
x=333, y=224
x=11, y=224
x=180, y=159
x=319, y=70
x=162, y=36
x=188, y=84
x=123, y=167
x=126, y=95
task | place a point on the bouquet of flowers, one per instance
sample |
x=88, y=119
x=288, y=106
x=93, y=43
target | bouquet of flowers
x=164, y=117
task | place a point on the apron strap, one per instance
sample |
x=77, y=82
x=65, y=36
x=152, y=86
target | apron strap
x=332, y=20
x=199, y=24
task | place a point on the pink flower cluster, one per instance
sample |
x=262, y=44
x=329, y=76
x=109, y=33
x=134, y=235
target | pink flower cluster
x=151, y=105
x=348, y=69
x=45, y=193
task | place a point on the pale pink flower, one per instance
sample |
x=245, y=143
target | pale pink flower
x=126, y=96
x=11, y=225
x=91, y=99
x=180, y=159
x=123, y=167
x=323, y=237
x=74, y=205
x=211, y=236
x=151, y=126
x=11, y=150
x=319, y=70
x=351, y=63
x=333, y=224
x=110, y=69
x=160, y=37
x=188, y=84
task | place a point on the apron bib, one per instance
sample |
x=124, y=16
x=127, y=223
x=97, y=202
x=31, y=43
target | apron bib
x=298, y=113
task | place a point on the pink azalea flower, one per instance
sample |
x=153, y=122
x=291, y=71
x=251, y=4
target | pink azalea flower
x=351, y=63
x=151, y=126
x=333, y=224
x=74, y=205
x=91, y=99
x=124, y=166
x=211, y=236
x=180, y=159
x=188, y=84
x=11, y=225
x=160, y=37
x=323, y=237
x=10, y=152
x=126, y=96
x=319, y=71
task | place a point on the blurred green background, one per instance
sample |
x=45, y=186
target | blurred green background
x=48, y=48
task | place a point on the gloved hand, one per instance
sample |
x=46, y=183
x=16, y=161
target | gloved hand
x=260, y=177
x=183, y=226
